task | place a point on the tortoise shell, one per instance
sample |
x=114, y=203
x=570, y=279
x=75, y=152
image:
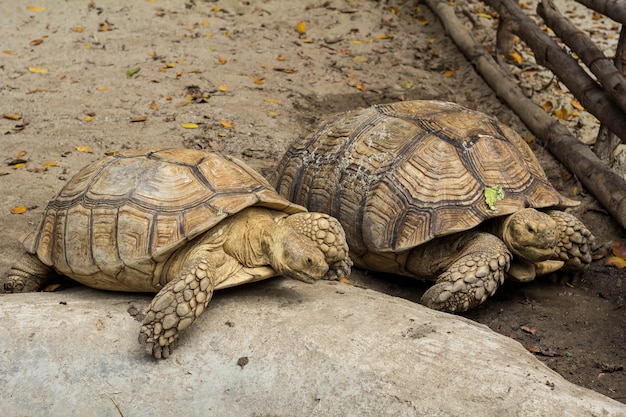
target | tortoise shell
x=398, y=175
x=138, y=207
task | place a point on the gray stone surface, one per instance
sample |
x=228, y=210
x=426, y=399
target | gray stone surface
x=275, y=348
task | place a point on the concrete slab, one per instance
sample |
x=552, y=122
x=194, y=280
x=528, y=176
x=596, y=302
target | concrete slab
x=275, y=348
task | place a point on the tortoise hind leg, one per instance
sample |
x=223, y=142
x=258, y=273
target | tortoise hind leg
x=176, y=307
x=575, y=242
x=471, y=266
x=27, y=275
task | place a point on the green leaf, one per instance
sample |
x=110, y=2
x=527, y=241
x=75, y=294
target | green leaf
x=493, y=195
x=131, y=72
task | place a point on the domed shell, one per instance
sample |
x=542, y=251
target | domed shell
x=398, y=175
x=138, y=207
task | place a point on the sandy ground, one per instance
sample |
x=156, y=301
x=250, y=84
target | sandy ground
x=87, y=78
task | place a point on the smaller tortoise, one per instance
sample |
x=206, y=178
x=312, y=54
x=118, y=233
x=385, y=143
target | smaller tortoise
x=180, y=223
x=433, y=190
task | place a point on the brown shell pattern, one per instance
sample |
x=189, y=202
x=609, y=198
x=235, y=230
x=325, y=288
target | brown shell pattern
x=399, y=175
x=132, y=210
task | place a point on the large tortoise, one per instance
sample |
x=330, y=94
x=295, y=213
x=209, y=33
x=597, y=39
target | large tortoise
x=433, y=190
x=180, y=223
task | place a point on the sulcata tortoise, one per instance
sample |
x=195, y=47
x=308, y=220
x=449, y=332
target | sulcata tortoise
x=433, y=190
x=179, y=223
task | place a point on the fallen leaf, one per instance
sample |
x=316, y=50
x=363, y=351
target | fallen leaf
x=422, y=20
x=12, y=116
x=19, y=210
x=139, y=119
x=619, y=249
x=222, y=88
x=131, y=72
x=449, y=73
x=50, y=164
x=51, y=287
x=83, y=148
x=528, y=329
x=36, y=8
x=516, y=57
x=576, y=104
x=270, y=100
x=20, y=154
x=89, y=118
x=8, y=52
x=189, y=125
x=37, y=70
x=547, y=105
x=344, y=280
x=104, y=27
x=103, y=88
x=78, y=29
x=360, y=58
x=36, y=42
x=221, y=60
x=227, y=124
x=561, y=113
x=616, y=261
x=384, y=36
x=280, y=58
x=272, y=113
x=18, y=166
x=301, y=28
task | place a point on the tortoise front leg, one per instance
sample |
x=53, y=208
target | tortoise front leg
x=27, y=275
x=176, y=307
x=575, y=243
x=471, y=266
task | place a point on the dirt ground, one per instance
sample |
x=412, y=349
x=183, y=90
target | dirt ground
x=246, y=78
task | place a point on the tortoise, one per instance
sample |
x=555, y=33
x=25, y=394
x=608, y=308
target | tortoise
x=433, y=190
x=179, y=223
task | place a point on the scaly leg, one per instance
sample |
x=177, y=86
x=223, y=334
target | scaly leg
x=474, y=265
x=27, y=275
x=176, y=307
x=575, y=243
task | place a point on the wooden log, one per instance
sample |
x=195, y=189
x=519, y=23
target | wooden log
x=607, y=141
x=550, y=55
x=615, y=9
x=608, y=188
x=612, y=81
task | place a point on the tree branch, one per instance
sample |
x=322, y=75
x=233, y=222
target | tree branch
x=615, y=9
x=610, y=78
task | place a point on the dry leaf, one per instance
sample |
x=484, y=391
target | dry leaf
x=35, y=42
x=8, y=52
x=280, y=58
x=547, y=105
x=384, y=37
x=528, y=329
x=153, y=106
x=19, y=210
x=87, y=149
x=139, y=119
x=221, y=60
x=51, y=287
x=561, y=113
x=89, y=118
x=360, y=58
x=301, y=28
x=616, y=261
x=18, y=166
x=449, y=73
x=272, y=113
x=37, y=70
x=422, y=20
x=36, y=8
x=619, y=249
x=270, y=100
x=78, y=29
x=189, y=125
x=516, y=57
x=344, y=280
x=50, y=164
x=20, y=154
x=12, y=116
x=227, y=124
x=576, y=104
x=103, y=88
x=222, y=88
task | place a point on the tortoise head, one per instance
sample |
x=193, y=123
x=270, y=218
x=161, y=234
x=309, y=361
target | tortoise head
x=297, y=256
x=530, y=234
